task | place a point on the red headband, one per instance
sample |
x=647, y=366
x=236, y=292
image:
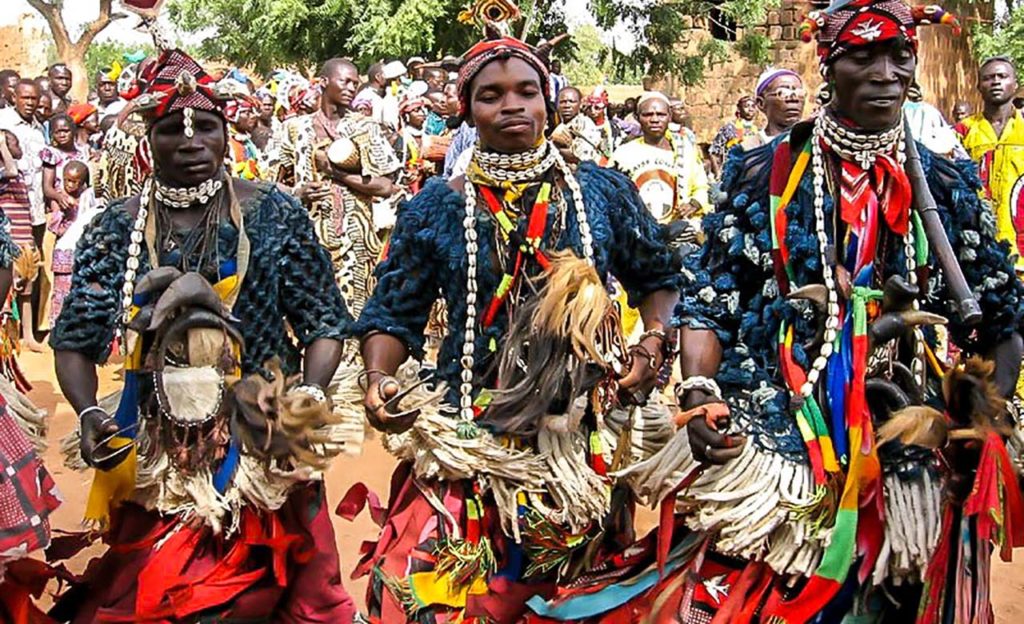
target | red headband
x=242, y=103
x=492, y=50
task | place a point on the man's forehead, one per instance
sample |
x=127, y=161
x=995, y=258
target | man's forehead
x=998, y=68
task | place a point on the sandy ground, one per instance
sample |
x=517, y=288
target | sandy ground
x=373, y=468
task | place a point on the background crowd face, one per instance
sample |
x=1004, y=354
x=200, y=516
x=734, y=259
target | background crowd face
x=8, y=85
x=871, y=83
x=568, y=104
x=60, y=80
x=507, y=105
x=106, y=89
x=26, y=99
x=62, y=131
x=783, y=100
x=997, y=82
x=182, y=161
x=653, y=116
x=746, y=108
x=340, y=84
x=44, y=108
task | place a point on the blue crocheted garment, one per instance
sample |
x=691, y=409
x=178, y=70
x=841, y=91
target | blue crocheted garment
x=289, y=284
x=732, y=288
x=427, y=259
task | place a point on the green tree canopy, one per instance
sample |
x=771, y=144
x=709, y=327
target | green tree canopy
x=1003, y=37
x=301, y=33
x=658, y=24
x=103, y=54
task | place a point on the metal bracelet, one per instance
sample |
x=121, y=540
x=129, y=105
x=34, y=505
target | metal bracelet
x=363, y=380
x=95, y=408
x=699, y=382
x=312, y=390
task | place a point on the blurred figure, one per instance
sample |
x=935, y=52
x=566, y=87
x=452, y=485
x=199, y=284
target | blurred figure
x=733, y=133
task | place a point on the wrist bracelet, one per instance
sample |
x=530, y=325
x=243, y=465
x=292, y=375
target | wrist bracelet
x=654, y=333
x=644, y=353
x=312, y=390
x=363, y=380
x=93, y=408
x=698, y=382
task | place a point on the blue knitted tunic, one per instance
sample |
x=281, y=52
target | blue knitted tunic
x=732, y=288
x=288, y=289
x=427, y=259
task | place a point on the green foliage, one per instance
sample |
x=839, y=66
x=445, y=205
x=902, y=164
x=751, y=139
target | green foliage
x=1004, y=37
x=658, y=24
x=591, y=64
x=265, y=34
x=755, y=47
x=102, y=54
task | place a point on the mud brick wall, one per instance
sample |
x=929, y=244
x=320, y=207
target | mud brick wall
x=23, y=47
x=946, y=70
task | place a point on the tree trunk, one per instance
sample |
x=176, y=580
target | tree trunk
x=74, y=58
x=72, y=53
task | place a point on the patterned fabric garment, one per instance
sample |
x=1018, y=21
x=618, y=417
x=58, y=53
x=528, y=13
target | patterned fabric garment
x=1000, y=162
x=344, y=224
x=287, y=290
x=731, y=135
x=27, y=493
x=426, y=259
x=667, y=179
x=586, y=138
x=123, y=163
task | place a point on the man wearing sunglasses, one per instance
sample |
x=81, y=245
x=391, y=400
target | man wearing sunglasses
x=781, y=96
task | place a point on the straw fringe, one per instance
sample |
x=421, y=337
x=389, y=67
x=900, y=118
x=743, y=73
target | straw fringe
x=651, y=428
x=753, y=503
x=912, y=524
x=348, y=409
x=30, y=418
x=577, y=496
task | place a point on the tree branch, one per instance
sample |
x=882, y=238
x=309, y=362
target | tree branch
x=96, y=26
x=51, y=13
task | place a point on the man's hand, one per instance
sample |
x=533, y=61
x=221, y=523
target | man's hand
x=313, y=192
x=379, y=390
x=97, y=426
x=642, y=377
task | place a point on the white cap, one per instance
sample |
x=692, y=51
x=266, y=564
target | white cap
x=393, y=70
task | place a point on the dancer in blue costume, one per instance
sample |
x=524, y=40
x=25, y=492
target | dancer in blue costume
x=831, y=461
x=208, y=472
x=503, y=491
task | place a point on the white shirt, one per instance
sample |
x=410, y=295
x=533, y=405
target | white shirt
x=928, y=126
x=113, y=108
x=30, y=137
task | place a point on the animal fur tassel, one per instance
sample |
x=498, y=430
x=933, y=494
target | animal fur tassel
x=917, y=425
x=559, y=345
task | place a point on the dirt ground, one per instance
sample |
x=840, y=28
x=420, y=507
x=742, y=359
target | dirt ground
x=373, y=468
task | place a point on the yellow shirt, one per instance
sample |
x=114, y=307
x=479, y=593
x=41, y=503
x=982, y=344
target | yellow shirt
x=1001, y=165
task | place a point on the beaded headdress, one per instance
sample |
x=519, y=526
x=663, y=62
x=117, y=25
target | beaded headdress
x=851, y=24
x=176, y=82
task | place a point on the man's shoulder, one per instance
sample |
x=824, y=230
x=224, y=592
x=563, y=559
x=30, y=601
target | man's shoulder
x=9, y=118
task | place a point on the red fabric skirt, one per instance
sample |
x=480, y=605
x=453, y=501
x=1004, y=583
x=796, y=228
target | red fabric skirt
x=279, y=567
x=411, y=528
x=27, y=493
